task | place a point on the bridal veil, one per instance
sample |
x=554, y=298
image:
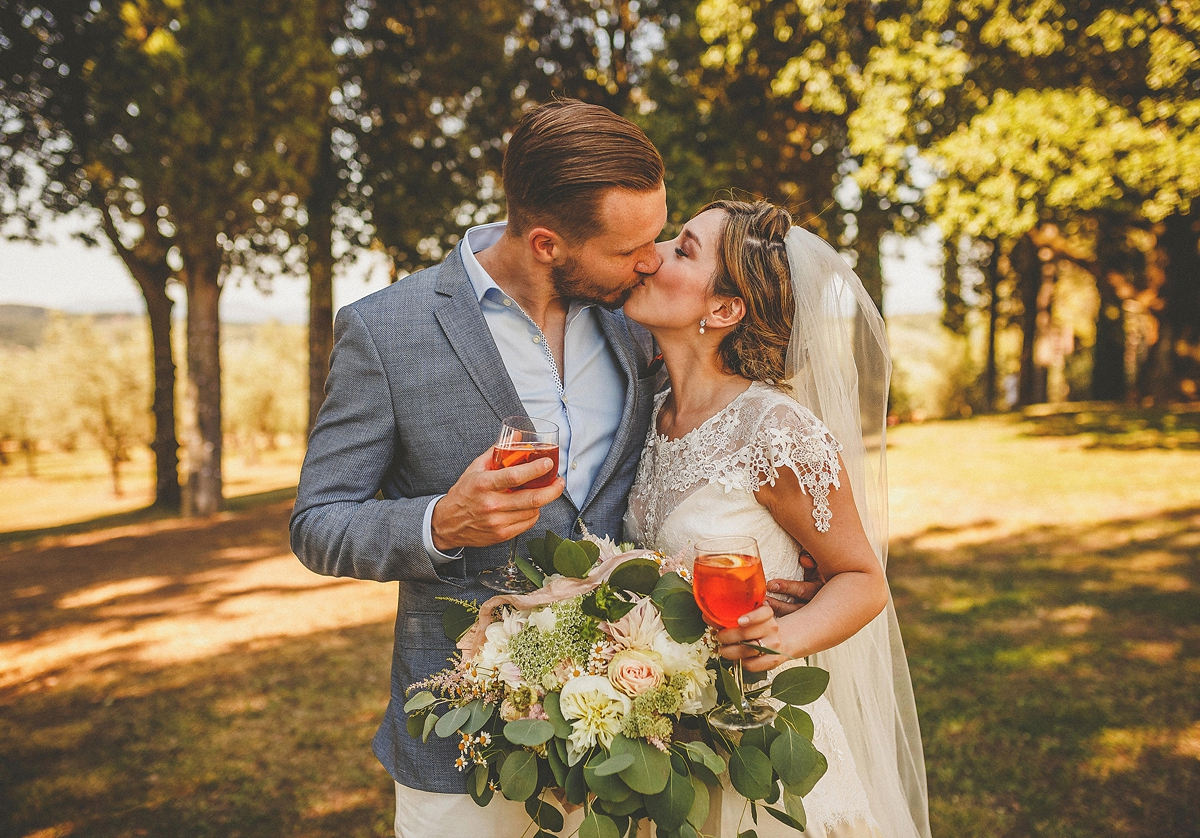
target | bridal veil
x=838, y=366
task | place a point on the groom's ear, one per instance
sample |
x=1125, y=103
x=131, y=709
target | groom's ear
x=727, y=311
x=546, y=245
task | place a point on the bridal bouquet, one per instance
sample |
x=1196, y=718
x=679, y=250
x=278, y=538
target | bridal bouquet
x=595, y=687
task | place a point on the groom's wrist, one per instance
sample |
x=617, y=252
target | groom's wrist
x=436, y=555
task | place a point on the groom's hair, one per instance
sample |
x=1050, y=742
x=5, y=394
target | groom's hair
x=563, y=156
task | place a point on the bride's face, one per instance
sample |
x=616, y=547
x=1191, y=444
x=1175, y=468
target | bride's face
x=677, y=296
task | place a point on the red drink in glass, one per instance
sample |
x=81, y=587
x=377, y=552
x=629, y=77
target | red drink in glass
x=518, y=453
x=728, y=585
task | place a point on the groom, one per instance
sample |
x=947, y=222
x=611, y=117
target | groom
x=520, y=319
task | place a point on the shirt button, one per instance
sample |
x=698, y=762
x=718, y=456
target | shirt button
x=537, y=338
x=507, y=301
x=564, y=400
x=575, y=465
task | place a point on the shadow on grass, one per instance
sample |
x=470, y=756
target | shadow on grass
x=1057, y=674
x=1110, y=425
x=259, y=742
x=146, y=515
x=78, y=579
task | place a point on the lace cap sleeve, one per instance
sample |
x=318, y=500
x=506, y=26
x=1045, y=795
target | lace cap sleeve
x=790, y=436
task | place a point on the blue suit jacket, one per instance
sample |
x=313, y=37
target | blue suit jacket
x=416, y=391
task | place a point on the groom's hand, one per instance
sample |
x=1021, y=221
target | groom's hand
x=484, y=507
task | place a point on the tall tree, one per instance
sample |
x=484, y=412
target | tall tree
x=43, y=175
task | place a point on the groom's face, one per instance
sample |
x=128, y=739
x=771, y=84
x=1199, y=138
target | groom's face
x=604, y=268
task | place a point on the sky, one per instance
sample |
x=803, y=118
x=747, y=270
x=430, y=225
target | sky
x=71, y=277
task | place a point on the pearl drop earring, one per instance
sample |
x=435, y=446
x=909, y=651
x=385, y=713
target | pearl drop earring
x=702, y=322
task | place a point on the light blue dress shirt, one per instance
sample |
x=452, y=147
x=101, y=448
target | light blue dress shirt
x=585, y=399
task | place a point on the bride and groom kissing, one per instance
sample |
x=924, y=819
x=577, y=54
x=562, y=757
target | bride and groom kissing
x=572, y=312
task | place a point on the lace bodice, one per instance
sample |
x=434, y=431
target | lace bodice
x=740, y=448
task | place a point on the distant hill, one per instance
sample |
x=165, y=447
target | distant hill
x=23, y=325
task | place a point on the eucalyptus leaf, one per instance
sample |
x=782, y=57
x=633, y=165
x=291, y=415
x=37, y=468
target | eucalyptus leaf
x=727, y=682
x=785, y=818
x=430, y=723
x=670, y=807
x=590, y=548
x=414, y=723
x=481, y=711
x=749, y=833
x=420, y=701
x=763, y=650
x=650, y=769
x=698, y=813
x=477, y=785
x=551, y=704
x=614, y=764
x=528, y=732
x=596, y=825
x=544, y=814
x=759, y=737
x=537, y=554
x=571, y=560
x=750, y=773
x=575, y=787
x=558, y=766
x=687, y=831
x=806, y=785
x=706, y=756
x=795, y=718
x=456, y=619
x=531, y=571
x=449, y=724
x=681, y=617
x=518, y=775
x=668, y=583
x=799, y=685
x=793, y=757
x=636, y=575
x=794, y=806
x=608, y=786
x=624, y=807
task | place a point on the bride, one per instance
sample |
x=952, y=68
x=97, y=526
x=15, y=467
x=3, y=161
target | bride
x=773, y=428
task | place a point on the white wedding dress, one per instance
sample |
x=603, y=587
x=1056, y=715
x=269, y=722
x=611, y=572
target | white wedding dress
x=702, y=486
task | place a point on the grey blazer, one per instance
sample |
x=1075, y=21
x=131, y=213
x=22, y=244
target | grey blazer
x=416, y=391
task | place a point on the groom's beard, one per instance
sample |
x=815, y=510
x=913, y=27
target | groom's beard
x=571, y=282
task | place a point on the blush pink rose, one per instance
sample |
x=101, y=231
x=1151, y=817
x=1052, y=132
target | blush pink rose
x=633, y=672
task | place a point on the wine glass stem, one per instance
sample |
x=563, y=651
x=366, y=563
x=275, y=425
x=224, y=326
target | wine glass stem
x=510, y=569
x=740, y=702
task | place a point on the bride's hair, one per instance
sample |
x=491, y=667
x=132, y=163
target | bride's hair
x=752, y=263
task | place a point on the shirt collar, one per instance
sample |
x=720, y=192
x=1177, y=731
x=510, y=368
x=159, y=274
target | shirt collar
x=480, y=238
x=477, y=239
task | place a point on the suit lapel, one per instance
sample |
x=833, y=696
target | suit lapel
x=618, y=338
x=462, y=321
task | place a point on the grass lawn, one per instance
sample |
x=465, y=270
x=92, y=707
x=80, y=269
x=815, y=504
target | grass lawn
x=172, y=678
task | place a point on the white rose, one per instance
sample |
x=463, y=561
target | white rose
x=634, y=672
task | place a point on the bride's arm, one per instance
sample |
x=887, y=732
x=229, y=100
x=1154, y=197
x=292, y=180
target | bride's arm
x=855, y=589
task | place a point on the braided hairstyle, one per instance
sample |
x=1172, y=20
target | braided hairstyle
x=752, y=264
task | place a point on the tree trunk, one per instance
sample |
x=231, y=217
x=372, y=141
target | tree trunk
x=203, y=489
x=146, y=263
x=167, y=493
x=954, y=309
x=1028, y=268
x=1109, y=381
x=319, y=247
x=1180, y=318
x=993, y=312
x=871, y=227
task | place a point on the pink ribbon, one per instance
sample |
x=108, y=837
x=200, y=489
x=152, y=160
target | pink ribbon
x=558, y=589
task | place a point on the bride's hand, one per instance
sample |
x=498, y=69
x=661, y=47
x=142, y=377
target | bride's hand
x=760, y=628
x=788, y=595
